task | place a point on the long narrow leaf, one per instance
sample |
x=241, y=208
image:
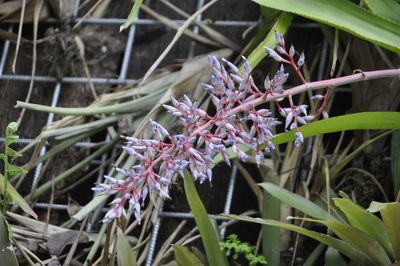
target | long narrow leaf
x=358, y=239
x=390, y=213
x=132, y=15
x=391, y=217
x=335, y=243
x=389, y=9
x=208, y=234
x=271, y=235
x=395, y=152
x=298, y=202
x=125, y=255
x=281, y=26
x=17, y=198
x=366, y=222
x=346, y=16
x=7, y=255
x=184, y=256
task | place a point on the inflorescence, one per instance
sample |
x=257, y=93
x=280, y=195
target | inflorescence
x=237, y=123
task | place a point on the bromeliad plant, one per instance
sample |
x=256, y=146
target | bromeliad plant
x=363, y=237
x=236, y=127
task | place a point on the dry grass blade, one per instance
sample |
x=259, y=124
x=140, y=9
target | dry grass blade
x=170, y=23
x=37, y=10
x=176, y=38
x=215, y=35
x=21, y=23
x=75, y=244
x=6, y=35
x=10, y=12
x=24, y=252
x=167, y=243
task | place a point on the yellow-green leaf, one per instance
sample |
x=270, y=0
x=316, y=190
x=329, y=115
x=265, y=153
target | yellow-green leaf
x=16, y=197
x=340, y=245
x=366, y=222
x=125, y=254
x=346, y=16
x=185, y=257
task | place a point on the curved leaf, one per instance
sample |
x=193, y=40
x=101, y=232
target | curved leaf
x=184, y=256
x=366, y=222
x=17, y=198
x=125, y=254
x=365, y=120
x=390, y=213
x=298, y=202
x=281, y=26
x=208, y=234
x=346, y=16
x=335, y=243
x=357, y=239
x=389, y=9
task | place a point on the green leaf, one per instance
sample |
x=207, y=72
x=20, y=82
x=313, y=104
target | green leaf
x=2, y=156
x=365, y=120
x=7, y=255
x=11, y=128
x=12, y=152
x=333, y=258
x=313, y=257
x=281, y=26
x=16, y=197
x=390, y=213
x=208, y=234
x=298, y=202
x=125, y=254
x=395, y=152
x=10, y=139
x=185, y=257
x=366, y=222
x=357, y=239
x=335, y=243
x=15, y=170
x=386, y=8
x=271, y=209
x=132, y=15
x=346, y=16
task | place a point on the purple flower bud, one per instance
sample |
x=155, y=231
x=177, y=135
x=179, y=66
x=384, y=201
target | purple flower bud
x=267, y=83
x=291, y=51
x=259, y=157
x=280, y=49
x=279, y=38
x=317, y=97
x=231, y=66
x=300, y=62
x=299, y=138
x=236, y=78
x=273, y=54
x=301, y=120
x=289, y=119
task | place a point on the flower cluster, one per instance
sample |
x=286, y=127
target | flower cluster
x=236, y=125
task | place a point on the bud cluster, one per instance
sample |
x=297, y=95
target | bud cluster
x=236, y=123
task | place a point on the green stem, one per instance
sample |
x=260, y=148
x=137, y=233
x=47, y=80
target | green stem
x=5, y=201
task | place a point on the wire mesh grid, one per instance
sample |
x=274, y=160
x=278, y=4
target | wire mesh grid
x=122, y=79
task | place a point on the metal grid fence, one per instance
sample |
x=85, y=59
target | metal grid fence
x=123, y=79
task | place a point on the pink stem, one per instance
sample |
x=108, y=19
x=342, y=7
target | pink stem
x=370, y=75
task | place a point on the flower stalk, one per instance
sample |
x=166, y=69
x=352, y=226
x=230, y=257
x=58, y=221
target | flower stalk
x=235, y=120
